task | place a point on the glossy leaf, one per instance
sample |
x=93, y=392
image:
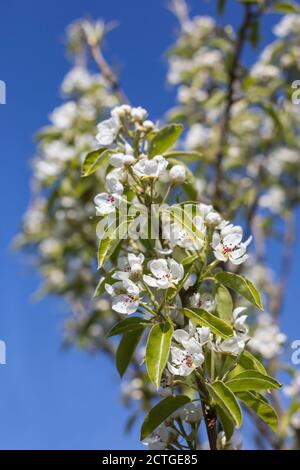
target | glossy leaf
x=126, y=349
x=224, y=303
x=242, y=286
x=257, y=403
x=129, y=324
x=252, y=380
x=225, y=399
x=93, y=160
x=164, y=139
x=161, y=412
x=204, y=318
x=157, y=350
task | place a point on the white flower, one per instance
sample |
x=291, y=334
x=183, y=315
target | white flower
x=59, y=151
x=150, y=168
x=139, y=113
x=229, y=246
x=239, y=321
x=166, y=273
x=120, y=160
x=185, y=361
x=78, y=79
x=189, y=413
x=224, y=444
x=289, y=24
x=293, y=388
x=273, y=199
x=209, y=215
x=158, y=440
x=178, y=174
x=234, y=345
x=182, y=237
x=106, y=203
x=205, y=301
x=190, y=281
x=64, y=116
x=108, y=131
x=267, y=339
x=121, y=111
x=130, y=267
x=295, y=420
x=125, y=296
x=114, y=180
x=198, y=136
x=265, y=71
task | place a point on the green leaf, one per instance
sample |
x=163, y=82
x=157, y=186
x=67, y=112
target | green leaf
x=204, y=318
x=242, y=286
x=129, y=324
x=164, y=139
x=188, y=260
x=248, y=361
x=157, y=350
x=257, y=402
x=93, y=160
x=225, y=399
x=224, y=303
x=286, y=7
x=227, y=422
x=100, y=289
x=161, y=412
x=126, y=349
x=186, y=155
x=252, y=380
x=110, y=242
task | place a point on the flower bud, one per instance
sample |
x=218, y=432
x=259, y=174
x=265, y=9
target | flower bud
x=177, y=174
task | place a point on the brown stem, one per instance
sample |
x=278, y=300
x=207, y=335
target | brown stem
x=107, y=72
x=232, y=78
x=209, y=415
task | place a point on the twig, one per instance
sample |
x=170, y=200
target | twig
x=233, y=75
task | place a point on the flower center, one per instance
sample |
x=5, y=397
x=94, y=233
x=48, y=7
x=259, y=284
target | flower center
x=111, y=199
x=188, y=360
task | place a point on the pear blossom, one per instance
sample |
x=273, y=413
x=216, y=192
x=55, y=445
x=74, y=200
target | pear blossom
x=119, y=160
x=130, y=267
x=205, y=301
x=295, y=420
x=165, y=273
x=185, y=361
x=108, y=131
x=139, y=113
x=198, y=136
x=63, y=116
x=239, y=321
x=114, y=181
x=106, y=203
x=177, y=174
x=228, y=244
x=293, y=389
x=267, y=338
x=158, y=440
x=125, y=296
x=150, y=168
x=234, y=345
x=78, y=79
x=189, y=413
x=182, y=237
x=121, y=111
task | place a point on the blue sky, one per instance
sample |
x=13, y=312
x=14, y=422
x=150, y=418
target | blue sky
x=49, y=398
